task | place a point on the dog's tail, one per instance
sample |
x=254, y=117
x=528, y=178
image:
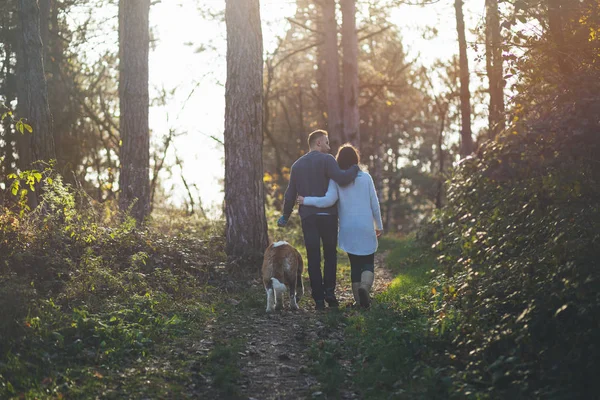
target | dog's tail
x=278, y=286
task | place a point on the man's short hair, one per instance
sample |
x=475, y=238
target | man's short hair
x=314, y=136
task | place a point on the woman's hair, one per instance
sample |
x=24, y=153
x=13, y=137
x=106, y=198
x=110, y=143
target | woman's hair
x=347, y=156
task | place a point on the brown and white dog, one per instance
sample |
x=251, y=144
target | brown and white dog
x=281, y=272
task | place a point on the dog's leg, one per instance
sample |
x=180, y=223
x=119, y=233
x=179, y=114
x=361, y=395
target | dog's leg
x=279, y=288
x=293, y=302
x=299, y=288
x=279, y=300
x=299, y=284
x=270, y=300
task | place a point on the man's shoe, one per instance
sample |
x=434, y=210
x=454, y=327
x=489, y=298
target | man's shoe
x=330, y=298
x=332, y=302
x=319, y=305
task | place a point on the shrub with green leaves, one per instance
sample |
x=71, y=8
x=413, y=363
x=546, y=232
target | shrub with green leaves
x=519, y=242
x=80, y=290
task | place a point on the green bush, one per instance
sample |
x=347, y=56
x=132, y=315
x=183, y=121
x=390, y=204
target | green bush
x=519, y=242
x=80, y=288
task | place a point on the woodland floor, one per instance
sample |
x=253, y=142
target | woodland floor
x=271, y=351
x=221, y=344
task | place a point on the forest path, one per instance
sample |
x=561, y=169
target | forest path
x=269, y=355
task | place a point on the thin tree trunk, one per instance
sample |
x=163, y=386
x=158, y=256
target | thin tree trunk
x=267, y=129
x=246, y=224
x=381, y=128
x=440, y=189
x=555, y=26
x=393, y=186
x=8, y=91
x=134, y=47
x=320, y=71
x=350, y=72
x=33, y=93
x=489, y=68
x=494, y=68
x=465, y=95
x=67, y=154
x=498, y=67
x=331, y=65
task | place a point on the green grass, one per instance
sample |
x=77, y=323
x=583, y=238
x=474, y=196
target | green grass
x=411, y=264
x=222, y=365
x=326, y=366
x=392, y=347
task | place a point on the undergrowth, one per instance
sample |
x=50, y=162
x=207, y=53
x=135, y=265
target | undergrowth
x=88, y=299
x=393, y=349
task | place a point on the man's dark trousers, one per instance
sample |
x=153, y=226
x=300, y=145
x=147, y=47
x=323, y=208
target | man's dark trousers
x=317, y=228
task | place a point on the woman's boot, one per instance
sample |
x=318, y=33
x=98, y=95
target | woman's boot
x=366, y=282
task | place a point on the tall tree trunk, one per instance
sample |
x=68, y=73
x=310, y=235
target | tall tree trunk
x=33, y=93
x=393, y=187
x=267, y=129
x=494, y=68
x=350, y=72
x=555, y=26
x=439, y=197
x=67, y=148
x=134, y=46
x=246, y=224
x=8, y=92
x=379, y=136
x=44, y=6
x=466, y=147
x=24, y=141
x=331, y=66
x=489, y=69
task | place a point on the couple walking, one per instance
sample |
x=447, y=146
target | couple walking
x=317, y=182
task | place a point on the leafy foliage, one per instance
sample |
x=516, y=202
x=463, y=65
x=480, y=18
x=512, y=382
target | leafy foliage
x=80, y=288
x=518, y=240
x=518, y=243
x=393, y=350
x=401, y=115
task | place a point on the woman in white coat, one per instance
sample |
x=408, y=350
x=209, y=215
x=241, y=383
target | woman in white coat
x=359, y=222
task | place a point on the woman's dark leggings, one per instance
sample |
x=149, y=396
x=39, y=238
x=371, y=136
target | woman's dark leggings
x=358, y=264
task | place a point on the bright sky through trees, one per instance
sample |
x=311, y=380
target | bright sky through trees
x=195, y=80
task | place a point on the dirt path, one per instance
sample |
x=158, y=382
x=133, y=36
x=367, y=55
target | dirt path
x=274, y=362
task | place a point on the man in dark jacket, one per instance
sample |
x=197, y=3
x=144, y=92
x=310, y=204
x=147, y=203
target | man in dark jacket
x=310, y=176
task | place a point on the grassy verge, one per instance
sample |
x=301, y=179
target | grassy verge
x=98, y=308
x=390, y=351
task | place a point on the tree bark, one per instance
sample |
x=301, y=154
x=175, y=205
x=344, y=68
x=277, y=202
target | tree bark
x=379, y=133
x=555, y=26
x=246, y=224
x=331, y=65
x=439, y=197
x=466, y=147
x=44, y=6
x=60, y=86
x=494, y=68
x=350, y=72
x=33, y=91
x=134, y=46
x=393, y=187
x=8, y=91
